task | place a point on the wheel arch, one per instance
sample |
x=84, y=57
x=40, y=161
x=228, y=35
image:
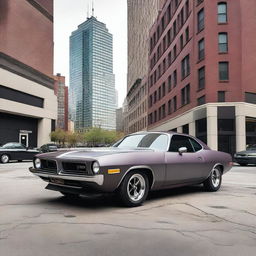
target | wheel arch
x=141, y=168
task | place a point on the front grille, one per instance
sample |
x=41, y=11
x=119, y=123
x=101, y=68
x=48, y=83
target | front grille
x=49, y=166
x=74, y=168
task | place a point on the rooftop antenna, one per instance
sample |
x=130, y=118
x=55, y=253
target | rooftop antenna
x=93, y=8
x=87, y=11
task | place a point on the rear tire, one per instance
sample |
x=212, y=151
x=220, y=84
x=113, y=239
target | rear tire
x=213, y=183
x=134, y=188
x=5, y=159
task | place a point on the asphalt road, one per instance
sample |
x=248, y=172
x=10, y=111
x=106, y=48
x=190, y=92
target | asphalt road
x=187, y=221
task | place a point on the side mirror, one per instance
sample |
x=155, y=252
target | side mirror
x=183, y=150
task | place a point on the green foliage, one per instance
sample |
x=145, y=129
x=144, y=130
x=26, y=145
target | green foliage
x=93, y=137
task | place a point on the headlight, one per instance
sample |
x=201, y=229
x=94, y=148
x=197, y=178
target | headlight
x=95, y=167
x=37, y=163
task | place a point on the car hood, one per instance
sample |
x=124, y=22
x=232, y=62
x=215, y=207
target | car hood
x=89, y=152
x=247, y=152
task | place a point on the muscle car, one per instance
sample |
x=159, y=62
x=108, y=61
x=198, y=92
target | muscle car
x=133, y=166
x=16, y=151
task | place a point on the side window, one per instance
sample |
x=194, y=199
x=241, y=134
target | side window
x=195, y=145
x=179, y=141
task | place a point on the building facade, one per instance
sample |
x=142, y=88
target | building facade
x=92, y=82
x=61, y=91
x=28, y=106
x=119, y=120
x=201, y=79
x=141, y=16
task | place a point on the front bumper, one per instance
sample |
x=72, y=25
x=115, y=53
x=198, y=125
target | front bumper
x=96, y=179
x=245, y=160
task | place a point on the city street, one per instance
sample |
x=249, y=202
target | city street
x=184, y=221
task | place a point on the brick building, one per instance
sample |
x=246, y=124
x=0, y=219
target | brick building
x=201, y=71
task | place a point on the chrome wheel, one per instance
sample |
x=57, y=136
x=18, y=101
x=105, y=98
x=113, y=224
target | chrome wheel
x=216, y=177
x=4, y=159
x=136, y=187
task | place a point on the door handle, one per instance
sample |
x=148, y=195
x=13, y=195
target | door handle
x=200, y=158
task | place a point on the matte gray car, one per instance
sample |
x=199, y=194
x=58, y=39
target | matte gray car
x=136, y=164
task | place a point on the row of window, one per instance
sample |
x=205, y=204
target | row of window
x=172, y=80
x=172, y=106
x=221, y=97
x=178, y=23
x=222, y=16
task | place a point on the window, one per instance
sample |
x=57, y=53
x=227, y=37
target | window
x=169, y=83
x=151, y=100
x=200, y=20
x=185, y=95
x=164, y=43
x=163, y=111
x=159, y=93
x=223, y=71
x=201, y=78
x=155, y=97
x=163, y=89
x=179, y=141
x=221, y=96
x=195, y=145
x=187, y=34
x=174, y=103
x=185, y=129
x=154, y=141
x=174, y=52
x=174, y=78
x=174, y=29
x=181, y=41
x=185, y=67
x=164, y=65
x=187, y=8
x=170, y=58
x=222, y=13
x=250, y=97
x=160, y=113
x=201, y=49
x=223, y=42
x=169, y=107
x=201, y=101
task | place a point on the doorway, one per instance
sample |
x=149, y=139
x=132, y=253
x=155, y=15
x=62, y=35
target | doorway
x=24, y=139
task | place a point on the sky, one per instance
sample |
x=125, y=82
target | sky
x=68, y=14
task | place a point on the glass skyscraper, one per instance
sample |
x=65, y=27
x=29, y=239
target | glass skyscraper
x=92, y=82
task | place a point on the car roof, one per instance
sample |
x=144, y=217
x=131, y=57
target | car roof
x=171, y=133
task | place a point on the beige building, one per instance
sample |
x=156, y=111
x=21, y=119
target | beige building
x=141, y=16
x=28, y=106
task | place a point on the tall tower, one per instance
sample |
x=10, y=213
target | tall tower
x=92, y=82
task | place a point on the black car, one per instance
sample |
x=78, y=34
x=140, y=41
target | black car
x=50, y=147
x=247, y=156
x=16, y=151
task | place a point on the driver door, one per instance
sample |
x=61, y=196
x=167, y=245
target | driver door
x=186, y=167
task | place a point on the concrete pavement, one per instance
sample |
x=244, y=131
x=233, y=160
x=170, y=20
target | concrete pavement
x=185, y=221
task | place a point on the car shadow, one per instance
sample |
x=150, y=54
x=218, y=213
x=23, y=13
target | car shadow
x=107, y=201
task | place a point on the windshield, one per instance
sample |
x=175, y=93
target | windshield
x=155, y=141
x=12, y=146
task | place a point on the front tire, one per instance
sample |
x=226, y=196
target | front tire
x=5, y=159
x=134, y=189
x=213, y=183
